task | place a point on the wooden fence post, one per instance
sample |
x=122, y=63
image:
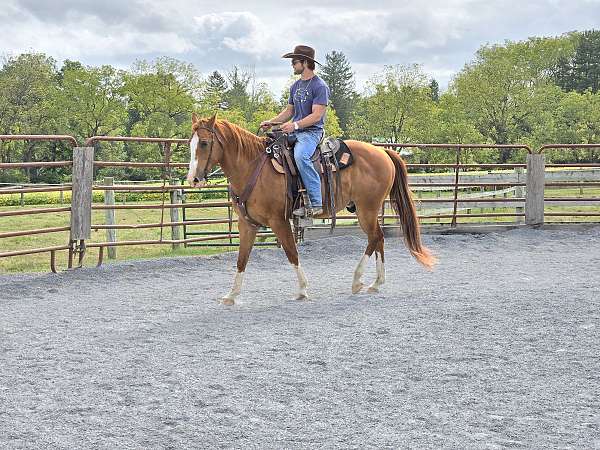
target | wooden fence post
x=175, y=199
x=109, y=215
x=534, y=202
x=519, y=193
x=81, y=201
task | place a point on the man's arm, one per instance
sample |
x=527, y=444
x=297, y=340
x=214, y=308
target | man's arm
x=317, y=112
x=311, y=119
x=283, y=116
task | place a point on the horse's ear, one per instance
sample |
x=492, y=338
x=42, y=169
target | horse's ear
x=194, y=118
x=212, y=120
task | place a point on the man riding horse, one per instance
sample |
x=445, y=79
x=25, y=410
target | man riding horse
x=260, y=192
x=307, y=105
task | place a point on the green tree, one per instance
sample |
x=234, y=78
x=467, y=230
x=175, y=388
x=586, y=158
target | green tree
x=160, y=97
x=237, y=95
x=68, y=65
x=27, y=89
x=332, y=124
x=499, y=89
x=91, y=103
x=91, y=100
x=434, y=90
x=570, y=118
x=450, y=124
x=396, y=107
x=246, y=102
x=580, y=70
x=214, y=92
x=338, y=75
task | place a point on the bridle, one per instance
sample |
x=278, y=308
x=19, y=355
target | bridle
x=213, y=131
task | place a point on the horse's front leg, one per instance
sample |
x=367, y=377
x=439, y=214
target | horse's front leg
x=283, y=230
x=247, y=237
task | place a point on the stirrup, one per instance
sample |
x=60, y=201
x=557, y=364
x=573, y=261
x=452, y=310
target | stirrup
x=308, y=212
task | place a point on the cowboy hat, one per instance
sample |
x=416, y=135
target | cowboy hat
x=303, y=52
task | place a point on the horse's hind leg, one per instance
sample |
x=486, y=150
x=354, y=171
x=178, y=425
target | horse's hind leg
x=380, y=264
x=283, y=230
x=247, y=237
x=370, y=225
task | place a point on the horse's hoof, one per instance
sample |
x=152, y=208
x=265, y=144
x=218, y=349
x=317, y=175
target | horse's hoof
x=302, y=298
x=227, y=301
x=356, y=288
x=372, y=290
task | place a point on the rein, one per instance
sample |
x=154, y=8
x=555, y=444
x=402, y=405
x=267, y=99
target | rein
x=240, y=200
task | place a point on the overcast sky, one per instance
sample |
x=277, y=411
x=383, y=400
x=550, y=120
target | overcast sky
x=443, y=35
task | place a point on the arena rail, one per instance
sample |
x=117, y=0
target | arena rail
x=531, y=216
x=175, y=203
x=581, y=201
x=528, y=183
x=58, y=188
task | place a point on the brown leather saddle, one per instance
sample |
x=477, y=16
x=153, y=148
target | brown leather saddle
x=329, y=158
x=343, y=157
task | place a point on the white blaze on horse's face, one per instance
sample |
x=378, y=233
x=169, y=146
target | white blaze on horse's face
x=193, y=162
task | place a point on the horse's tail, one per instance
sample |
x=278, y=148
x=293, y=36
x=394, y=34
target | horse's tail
x=402, y=202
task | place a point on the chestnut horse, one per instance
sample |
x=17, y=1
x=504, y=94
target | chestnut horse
x=375, y=174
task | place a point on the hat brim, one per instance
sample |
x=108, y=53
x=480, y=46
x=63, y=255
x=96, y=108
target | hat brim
x=301, y=56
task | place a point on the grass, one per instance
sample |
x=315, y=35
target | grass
x=40, y=262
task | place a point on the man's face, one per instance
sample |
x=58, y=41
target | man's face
x=298, y=66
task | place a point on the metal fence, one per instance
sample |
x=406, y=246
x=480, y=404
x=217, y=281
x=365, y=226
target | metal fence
x=522, y=191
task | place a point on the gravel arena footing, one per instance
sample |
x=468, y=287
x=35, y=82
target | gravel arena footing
x=498, y=347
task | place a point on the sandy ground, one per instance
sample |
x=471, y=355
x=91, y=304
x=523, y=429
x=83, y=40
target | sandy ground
x=498, y=347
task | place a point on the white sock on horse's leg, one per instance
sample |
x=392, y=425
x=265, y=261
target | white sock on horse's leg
x=302, y=282
x=380, y=273
x=229, y=299
x=358, y=273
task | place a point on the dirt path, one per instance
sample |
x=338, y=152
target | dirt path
x=498, y=347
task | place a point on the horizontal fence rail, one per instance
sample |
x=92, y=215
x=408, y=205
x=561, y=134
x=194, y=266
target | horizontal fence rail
x=40, y=137
x=523, y=192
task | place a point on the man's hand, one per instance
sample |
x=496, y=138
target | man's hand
x=266, y=124
x=288, y=127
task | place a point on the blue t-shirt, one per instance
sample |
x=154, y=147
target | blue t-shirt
x=305, y=93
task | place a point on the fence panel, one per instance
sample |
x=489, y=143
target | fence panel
x=19, y=217
x=529, y=189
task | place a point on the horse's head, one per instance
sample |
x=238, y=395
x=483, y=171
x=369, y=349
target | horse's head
x=206, y=149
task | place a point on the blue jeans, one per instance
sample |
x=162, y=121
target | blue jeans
x=305, y=147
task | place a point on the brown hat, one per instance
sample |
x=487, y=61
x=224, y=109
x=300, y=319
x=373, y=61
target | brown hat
x=303, y=52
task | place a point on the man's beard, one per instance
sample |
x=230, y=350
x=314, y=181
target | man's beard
x=298, y=71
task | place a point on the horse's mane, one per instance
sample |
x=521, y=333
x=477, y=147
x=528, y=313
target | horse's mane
x=247, y=143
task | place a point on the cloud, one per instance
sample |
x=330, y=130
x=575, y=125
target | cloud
x=241, y=32
x=379, y=35
x=90, y=40
x=137, y=15
x=442, y=35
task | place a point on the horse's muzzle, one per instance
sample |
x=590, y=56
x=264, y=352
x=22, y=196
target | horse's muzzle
x=196, y=182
